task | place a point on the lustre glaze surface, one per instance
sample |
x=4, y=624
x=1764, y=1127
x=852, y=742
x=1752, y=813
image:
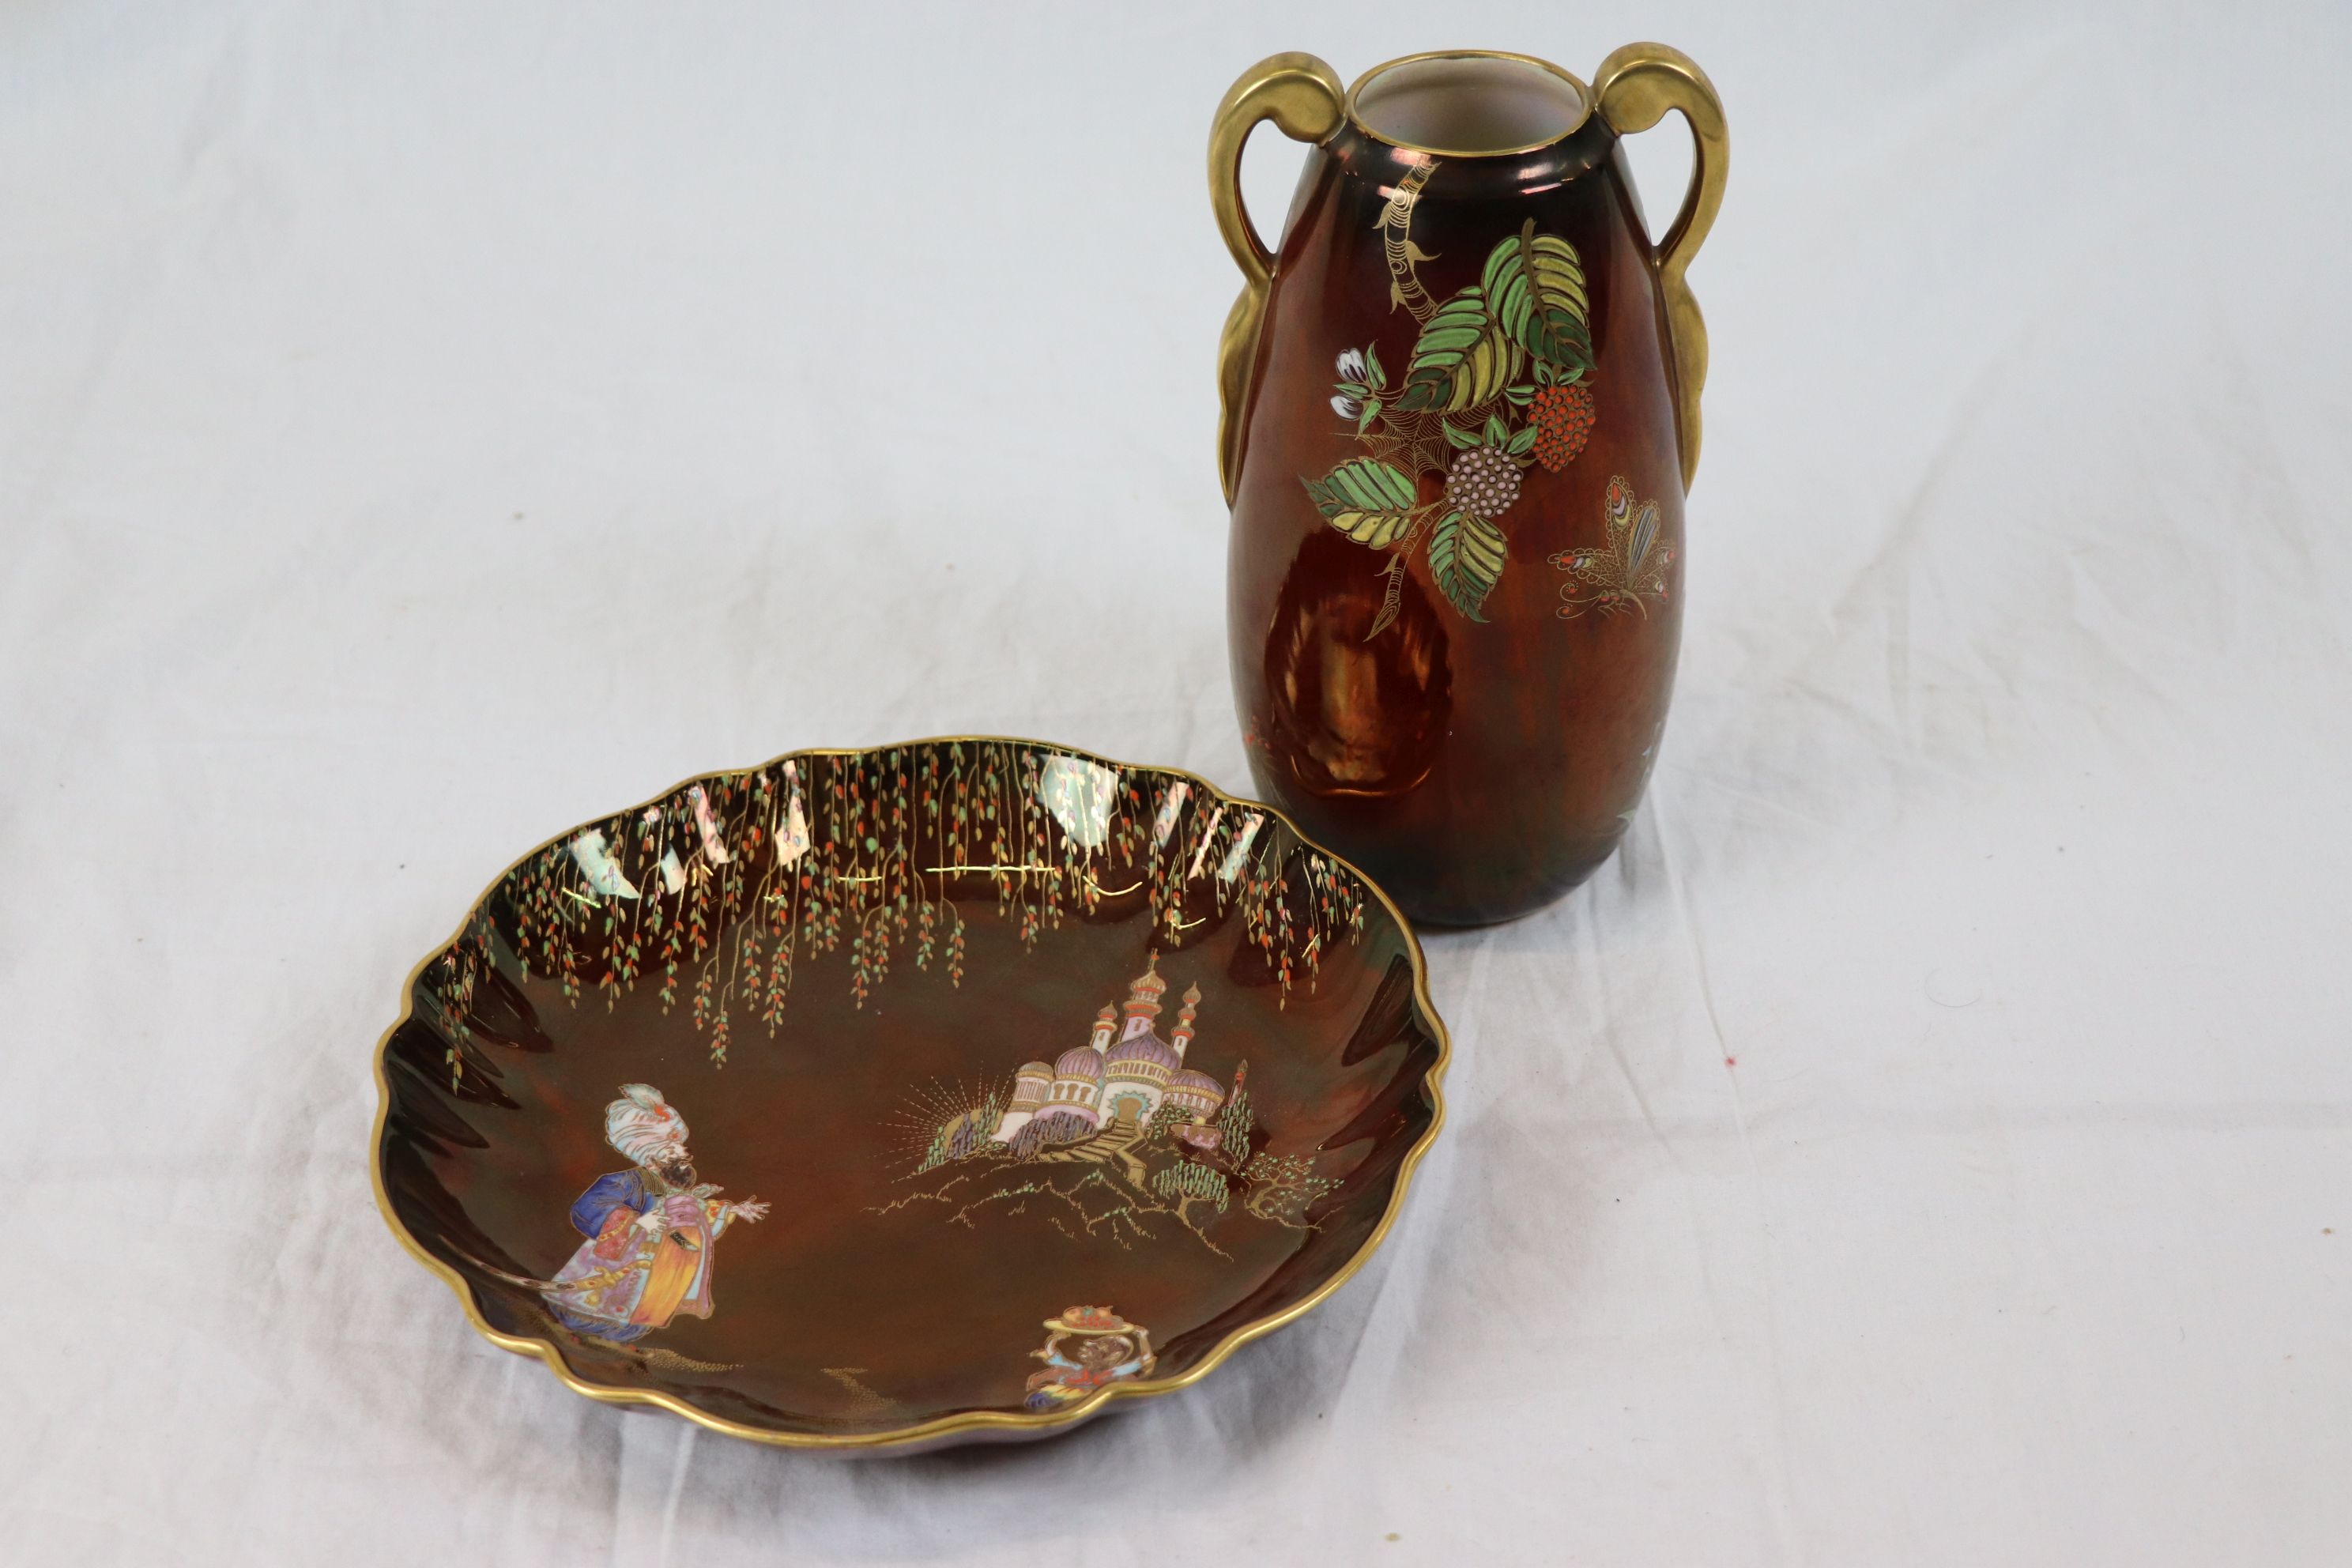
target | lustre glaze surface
x=794, y=1099
x=1443, y=390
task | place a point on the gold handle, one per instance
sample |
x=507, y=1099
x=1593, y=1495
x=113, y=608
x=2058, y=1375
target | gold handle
x=1303, y=98
x=1634, y=87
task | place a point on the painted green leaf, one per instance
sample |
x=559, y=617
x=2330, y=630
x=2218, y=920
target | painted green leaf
x=1496, y=432
x=1366, y=483
x=1536, y=285
x=1491, y=362
x=1446, y=339
x=1373, y=364
x=1367, y=499
x=1521, y=444
x=1377, y=529
x=1462, y=440
x=1371, y=412
x=1483, y=550
x=1466, y=556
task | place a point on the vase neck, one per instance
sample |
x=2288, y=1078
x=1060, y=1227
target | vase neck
x=1468, y=103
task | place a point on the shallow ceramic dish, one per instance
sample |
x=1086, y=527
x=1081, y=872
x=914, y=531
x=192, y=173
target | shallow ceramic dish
x=879, y=1099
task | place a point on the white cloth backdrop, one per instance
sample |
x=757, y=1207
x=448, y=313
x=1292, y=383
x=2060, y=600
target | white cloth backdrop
x=1929, y=1141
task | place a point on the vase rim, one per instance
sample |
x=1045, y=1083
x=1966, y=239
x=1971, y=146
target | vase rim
x=1523, y=71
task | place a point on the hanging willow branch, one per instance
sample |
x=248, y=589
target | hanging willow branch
x=719, y=894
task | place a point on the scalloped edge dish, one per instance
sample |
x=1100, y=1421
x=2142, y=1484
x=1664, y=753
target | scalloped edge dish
x=961, y=1425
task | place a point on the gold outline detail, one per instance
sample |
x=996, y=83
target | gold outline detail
x=941, y=1430
x=1584, y=96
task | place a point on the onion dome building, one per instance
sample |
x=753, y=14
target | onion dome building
x=1103, y=1084
x=1135, y=1079
x=1197, y=1092
x=1073, y=1107
x=1031, y=1085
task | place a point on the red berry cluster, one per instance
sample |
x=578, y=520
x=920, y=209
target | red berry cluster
x=1563, y=422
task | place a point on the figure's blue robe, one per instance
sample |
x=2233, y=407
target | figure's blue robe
x=607, y=1195
x=620, y=1190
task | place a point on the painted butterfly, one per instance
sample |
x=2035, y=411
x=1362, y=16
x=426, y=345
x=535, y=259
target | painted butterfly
x=1629, y=572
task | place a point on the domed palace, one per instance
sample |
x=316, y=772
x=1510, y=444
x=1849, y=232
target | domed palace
x=1113, y=1084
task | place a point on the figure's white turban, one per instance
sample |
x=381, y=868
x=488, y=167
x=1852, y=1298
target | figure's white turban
x=644, y=1125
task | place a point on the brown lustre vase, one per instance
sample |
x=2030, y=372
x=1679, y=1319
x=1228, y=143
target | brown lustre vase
x=1460, y=416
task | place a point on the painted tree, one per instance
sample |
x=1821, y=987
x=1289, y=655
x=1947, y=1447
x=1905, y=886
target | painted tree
x=1281, y=1187
x=1185, y=1184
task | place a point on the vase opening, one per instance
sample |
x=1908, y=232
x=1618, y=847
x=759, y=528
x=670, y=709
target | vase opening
x=1468, y=105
